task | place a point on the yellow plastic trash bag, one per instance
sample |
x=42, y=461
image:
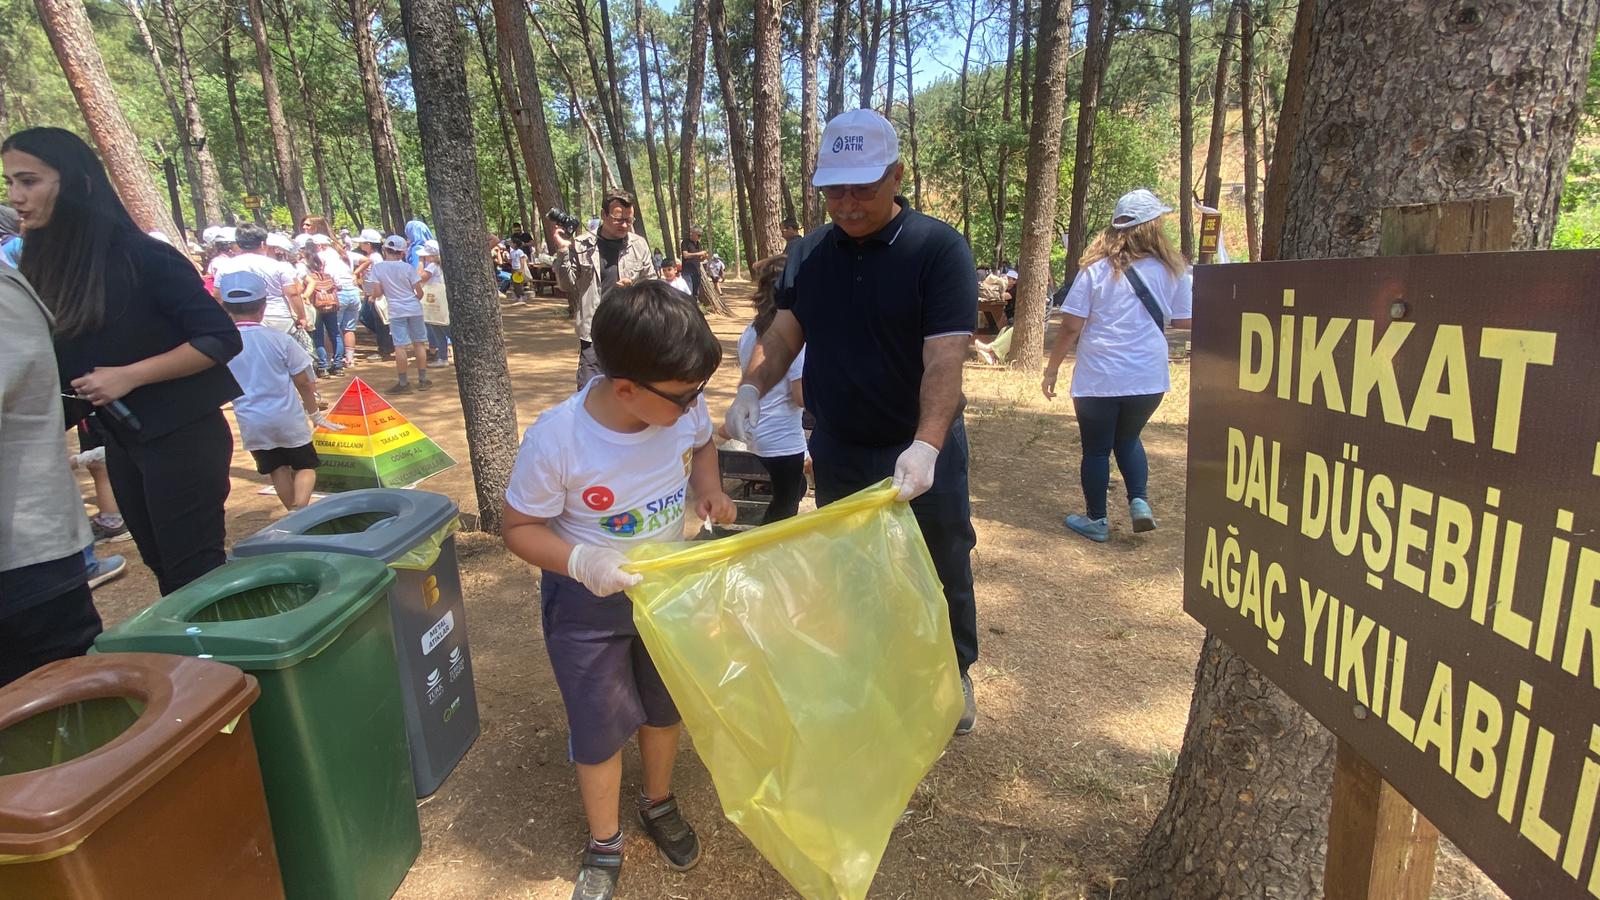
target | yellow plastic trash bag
x=811, y=660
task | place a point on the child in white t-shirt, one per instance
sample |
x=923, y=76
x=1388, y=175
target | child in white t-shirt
x=780, y=439
x=519, y=273
x=672, y=274
x=279, y=393
x=435, y=304
x=609, y=468
x=396, y=281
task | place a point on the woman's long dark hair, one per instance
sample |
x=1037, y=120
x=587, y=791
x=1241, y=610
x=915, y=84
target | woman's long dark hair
x=766, y=273
x=74, y=256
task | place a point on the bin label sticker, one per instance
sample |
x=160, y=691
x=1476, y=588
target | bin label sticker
x=435, y=686
x=458, y=663
x=450, y=711
x=440, y=630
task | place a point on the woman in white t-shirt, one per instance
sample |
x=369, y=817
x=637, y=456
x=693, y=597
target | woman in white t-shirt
x=1130, y=287
x=779, y=440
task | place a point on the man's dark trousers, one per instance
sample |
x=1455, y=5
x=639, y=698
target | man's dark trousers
x=944, y=513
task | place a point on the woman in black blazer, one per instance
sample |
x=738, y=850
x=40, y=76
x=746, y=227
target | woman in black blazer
x=139, y=339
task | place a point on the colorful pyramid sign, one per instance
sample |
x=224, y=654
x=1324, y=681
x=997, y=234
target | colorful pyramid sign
x=378, y=447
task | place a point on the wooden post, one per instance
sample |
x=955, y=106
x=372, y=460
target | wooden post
x=1379, y=846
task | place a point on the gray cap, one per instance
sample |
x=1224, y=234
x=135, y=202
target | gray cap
x=395, y=242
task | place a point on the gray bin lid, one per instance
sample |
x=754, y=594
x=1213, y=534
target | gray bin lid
x=380, y=523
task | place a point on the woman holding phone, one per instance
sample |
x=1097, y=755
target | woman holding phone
x=137, y=338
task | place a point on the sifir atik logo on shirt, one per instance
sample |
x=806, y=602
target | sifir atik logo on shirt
x=651, y=518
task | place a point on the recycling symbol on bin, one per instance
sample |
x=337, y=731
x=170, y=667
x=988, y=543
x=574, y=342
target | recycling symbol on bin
x=458, y=663
x=435, y=686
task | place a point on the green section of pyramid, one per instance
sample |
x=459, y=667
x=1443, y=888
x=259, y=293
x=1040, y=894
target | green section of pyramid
x=412, y=463
x=346, y=473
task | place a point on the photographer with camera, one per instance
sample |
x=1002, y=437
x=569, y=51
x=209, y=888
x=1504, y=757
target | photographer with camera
x=589, y=265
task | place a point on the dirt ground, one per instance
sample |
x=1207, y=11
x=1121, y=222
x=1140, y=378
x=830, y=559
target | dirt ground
x=1087, y=663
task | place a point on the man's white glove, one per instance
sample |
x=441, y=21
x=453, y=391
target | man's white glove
x=600, y=569
x=744, y=413
x=913, y=471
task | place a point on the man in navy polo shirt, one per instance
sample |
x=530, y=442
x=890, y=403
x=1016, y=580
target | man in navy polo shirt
x=885, y=303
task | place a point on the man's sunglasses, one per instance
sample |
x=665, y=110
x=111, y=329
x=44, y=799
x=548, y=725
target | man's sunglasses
x=856, y=191
x=681, y=401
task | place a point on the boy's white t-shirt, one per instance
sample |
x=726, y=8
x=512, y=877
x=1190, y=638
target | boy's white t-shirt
x=270, y=414
x=519, y=262
x=680, y=284
x=398, y=279
x=779, y=431
x=275, y=272
x=1121, y=352
x=603, y=487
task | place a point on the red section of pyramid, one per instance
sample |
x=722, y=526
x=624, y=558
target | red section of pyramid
x=359, y=400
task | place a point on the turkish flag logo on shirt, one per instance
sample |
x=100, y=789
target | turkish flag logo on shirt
x=598, y=498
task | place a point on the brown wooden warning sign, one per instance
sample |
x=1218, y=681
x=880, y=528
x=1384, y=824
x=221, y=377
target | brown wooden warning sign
x=1394, y=513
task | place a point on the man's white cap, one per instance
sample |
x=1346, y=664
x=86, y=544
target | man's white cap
x=1136, y=208
x=279, y=242
x=241, y=287
x=209, y=236
x=370, y=236
x=226, y=235
x=857, y=148
x=395, y=242
x=321, y=240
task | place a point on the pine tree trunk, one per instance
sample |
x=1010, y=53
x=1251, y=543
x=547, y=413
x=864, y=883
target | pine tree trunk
x=1219, y=113
x=1252, y=224
x=1024, y=100
x=1182, y=203
x=767, y=139
x=444, y=119
x=888, y=84
x=318, y=157
x=492, y=67
x=666, y=145
x=230, y=18
x=399, y=166
x=694, y=86
x=662, y=216
x=911, y=116
x=838, y=62
x=810, y=39
x=606, y=88
x=964, y=135
x=291, y=181
x=208, y=206
x=524, y=97
x=737, y=258
x=72, y=38
x=871, y=32
x=389, y=212
x=179, y=125
x=1003, y=152
x=1096, y=55
x=1247, y=812
x=1044, y=178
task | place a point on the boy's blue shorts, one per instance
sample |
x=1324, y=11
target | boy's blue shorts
x=608, y=683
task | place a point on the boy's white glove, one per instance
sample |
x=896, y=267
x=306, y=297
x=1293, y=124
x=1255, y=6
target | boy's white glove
x=87, y=458
x=744, y=413
x=913, y=471
x=321, y=420
x=600, y=569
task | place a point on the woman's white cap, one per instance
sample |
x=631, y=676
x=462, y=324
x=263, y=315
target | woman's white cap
x=1136, y=208
x=280, y=242
x=370, y=236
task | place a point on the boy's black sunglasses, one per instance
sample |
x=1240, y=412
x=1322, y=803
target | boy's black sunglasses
x=682, y=401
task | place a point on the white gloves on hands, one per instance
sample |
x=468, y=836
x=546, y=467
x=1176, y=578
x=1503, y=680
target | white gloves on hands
x=600, y=569
x=743, y=414
x=87, y=458
x=913, y=471
x=321, y=420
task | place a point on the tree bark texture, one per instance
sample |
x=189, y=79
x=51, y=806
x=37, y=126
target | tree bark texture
x=911, y=119
x=1247, y=812
x=494, y=64
x=1044, y=168
x=191, y=169
x=230, y=18
x=694, y=86
x=663, y=217
x=1219, y=113
x=444, y=119
x=810, y=40
x=870, y=28
x=767, y=138
x=384, y=164
x=1097, y=53
x=666, y=146
x=890, y=58
x=208, y=209
x=67, y=24
x=605, y=90
x=1252, y=223
x=519, y=84
x=291, y=181
x=1003, y=152
x=319, y=161
x=838, y=60
x=1274, y=201
x=1182, y=203
x=607, y=181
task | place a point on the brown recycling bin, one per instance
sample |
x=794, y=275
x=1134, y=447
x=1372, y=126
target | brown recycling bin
x=133, y=775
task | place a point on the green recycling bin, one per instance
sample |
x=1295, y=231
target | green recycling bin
x=329, y=728
x=414, y=532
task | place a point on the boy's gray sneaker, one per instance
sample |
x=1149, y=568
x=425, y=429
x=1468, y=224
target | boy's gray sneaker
x=969, y=714
x=1143, y=518
x=104, y=569
x=597, y=879
x=677, y=842
x=400, y=387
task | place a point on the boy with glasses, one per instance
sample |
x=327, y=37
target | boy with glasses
x=610, y=468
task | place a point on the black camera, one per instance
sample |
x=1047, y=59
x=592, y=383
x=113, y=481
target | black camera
x=566, y=220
